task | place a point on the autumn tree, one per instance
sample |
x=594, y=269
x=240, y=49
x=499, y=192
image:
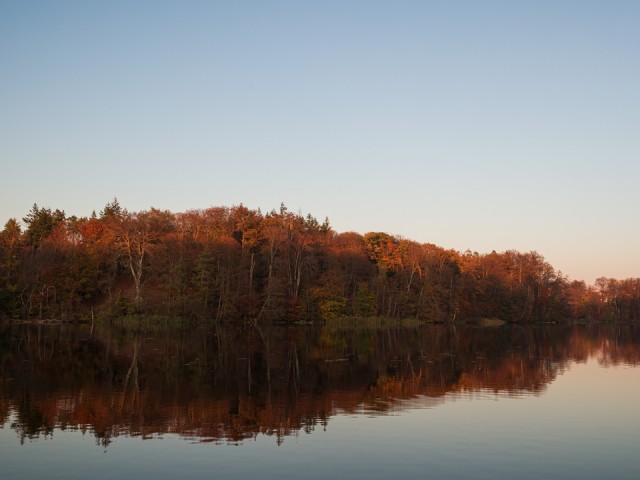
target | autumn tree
x=248, y=232
x=137, y=235
x=275, y=237
x=383, y=250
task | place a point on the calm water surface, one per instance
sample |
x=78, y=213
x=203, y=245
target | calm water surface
x=310, y=402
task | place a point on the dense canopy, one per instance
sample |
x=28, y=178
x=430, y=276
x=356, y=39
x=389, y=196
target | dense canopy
x=235, y=263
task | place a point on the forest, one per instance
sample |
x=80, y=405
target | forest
x=234, y=264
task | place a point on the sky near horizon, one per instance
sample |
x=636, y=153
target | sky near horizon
x=488, y=125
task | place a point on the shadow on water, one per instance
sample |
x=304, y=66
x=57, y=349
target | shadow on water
x=229, y=384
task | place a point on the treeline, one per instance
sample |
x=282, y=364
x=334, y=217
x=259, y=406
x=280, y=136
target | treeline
x=238, y=263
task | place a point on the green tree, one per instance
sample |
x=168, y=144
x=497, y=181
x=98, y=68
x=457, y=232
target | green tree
x=10, y=239
x=40, y=223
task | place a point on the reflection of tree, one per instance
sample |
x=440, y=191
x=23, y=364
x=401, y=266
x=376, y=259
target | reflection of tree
x=134, y=379
x=233, y=384
x=31, y=422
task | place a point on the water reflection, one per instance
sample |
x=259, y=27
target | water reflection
x=214, y=384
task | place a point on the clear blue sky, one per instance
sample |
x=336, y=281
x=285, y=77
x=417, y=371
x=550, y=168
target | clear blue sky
x=475, y=125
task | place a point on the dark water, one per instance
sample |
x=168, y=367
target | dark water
x=312, y=402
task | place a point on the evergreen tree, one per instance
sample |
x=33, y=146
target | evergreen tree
x=40, y=223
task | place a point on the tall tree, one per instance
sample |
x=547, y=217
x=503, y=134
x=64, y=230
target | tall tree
x=10, y=239
x=137, y=234
x=40, y=223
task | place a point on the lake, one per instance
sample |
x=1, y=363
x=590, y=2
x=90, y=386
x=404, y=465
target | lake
x=338, y=400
